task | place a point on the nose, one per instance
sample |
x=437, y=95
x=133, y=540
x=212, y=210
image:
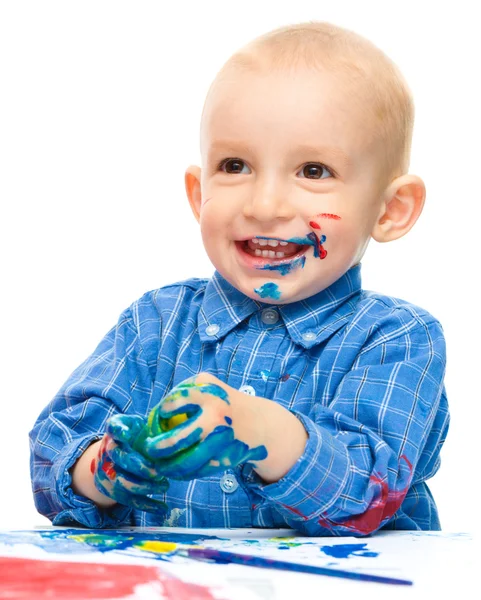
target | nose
x=269, y=201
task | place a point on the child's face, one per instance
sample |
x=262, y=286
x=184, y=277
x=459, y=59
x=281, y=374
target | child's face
x=262, y=178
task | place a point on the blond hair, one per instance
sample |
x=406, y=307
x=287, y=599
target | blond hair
x=378, y=83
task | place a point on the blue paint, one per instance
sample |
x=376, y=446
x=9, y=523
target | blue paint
x=268, y=290
x=210, y=456
x=81, y=541
x=285, y=268
x=265, y=375
x=228, y=420
x=305, y=241
x=347, y=550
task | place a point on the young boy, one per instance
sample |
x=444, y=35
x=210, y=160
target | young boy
x=282, y=393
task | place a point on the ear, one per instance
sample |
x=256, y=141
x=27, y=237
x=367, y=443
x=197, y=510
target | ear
x=403, y=203
x=193, y=189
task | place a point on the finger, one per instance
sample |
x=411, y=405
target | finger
x=125, y=428
x=172, y=442
x=134, y=463
x=187, y=464
x=170, y=408
x=123, y=496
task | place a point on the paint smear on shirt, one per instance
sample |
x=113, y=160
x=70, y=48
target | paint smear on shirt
x=268, y=290
x=25, y=579
x=265, y=375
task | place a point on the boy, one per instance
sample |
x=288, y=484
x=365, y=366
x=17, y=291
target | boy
x=282, y=393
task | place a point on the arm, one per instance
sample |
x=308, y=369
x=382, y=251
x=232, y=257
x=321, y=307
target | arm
x=362, y=449
x=83, y=477
x=381, y=432
x=76, y=419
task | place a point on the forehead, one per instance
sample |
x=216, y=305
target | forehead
x=266, y=110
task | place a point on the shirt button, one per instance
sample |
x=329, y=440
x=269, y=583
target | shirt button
x=247, y=389
x=228, y=483
x=212, y=329
x=309, y=336
x=269, y=316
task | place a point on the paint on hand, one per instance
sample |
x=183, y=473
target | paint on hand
x=168, y=424
x=286, y=267
x=124, y=476
x=199, y=453
x=268, y=290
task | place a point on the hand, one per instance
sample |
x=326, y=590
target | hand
x=209, y=436
x=123, y=474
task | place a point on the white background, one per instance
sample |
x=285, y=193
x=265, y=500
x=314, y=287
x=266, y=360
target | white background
x=100, y=105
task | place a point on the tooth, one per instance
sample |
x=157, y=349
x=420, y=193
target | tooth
x=273, y=243
x=283, y=243
x=272, y=254
x=280, y=254
x=265, y=253
x=263, y=242
x=255, y=241
x=258, y=252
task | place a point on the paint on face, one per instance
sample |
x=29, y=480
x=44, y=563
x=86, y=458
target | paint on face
x=329, y=216
x=268, y=290
x=319, y=250
x=285, y=268
x=312, y=240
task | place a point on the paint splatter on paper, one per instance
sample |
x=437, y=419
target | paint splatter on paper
x=28, y=579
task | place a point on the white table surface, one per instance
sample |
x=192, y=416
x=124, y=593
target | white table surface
x=438, y=563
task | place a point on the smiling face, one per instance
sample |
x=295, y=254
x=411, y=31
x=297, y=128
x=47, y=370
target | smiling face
x=290, y=186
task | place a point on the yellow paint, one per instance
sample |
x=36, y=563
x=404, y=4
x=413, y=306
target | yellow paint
x=168, y=424
x=157, y=547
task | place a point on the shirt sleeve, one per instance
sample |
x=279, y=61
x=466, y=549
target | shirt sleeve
x=110, y=381
x=363, y=450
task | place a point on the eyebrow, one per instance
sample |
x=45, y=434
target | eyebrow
x=327, y=151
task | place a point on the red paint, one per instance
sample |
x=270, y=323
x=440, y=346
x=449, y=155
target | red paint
x=92, y=466
x=28, y=579
x=295, y=511
x=329, y=216
x=314, y=225
x=382, y=508
x=284, y=377
x=108, y=469
x=322, y=251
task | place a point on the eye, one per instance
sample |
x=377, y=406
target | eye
x=233, y=165
x=310, y=170
x=315, y=171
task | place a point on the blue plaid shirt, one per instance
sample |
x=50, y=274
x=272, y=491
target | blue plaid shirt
x=363, y=373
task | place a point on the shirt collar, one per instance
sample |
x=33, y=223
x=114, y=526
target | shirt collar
x=308, y=322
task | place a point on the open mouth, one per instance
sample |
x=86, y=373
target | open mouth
x=271, y=250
